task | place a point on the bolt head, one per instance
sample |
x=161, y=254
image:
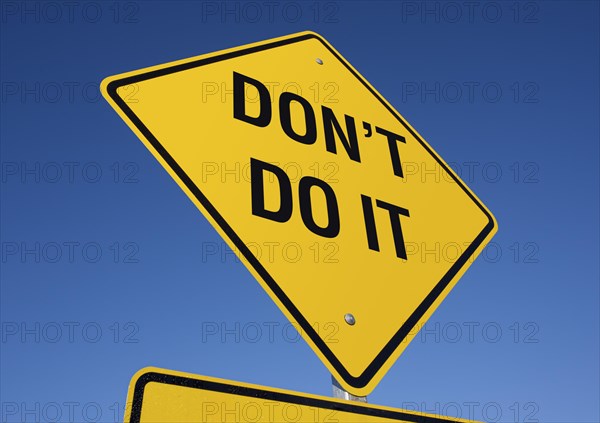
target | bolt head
x=349, y=318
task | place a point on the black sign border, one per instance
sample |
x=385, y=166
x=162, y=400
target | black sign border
x=355, y=381
x=266, y=394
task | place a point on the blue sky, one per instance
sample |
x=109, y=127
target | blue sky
x=104, y=259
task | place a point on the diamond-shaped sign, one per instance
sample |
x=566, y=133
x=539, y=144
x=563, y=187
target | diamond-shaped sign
x=350, y=221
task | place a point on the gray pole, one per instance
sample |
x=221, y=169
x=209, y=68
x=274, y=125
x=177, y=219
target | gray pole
x=339, y=392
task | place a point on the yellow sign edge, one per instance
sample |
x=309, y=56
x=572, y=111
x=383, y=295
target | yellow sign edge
x=154, y=374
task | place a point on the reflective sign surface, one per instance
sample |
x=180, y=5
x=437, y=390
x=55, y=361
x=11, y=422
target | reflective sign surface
x=284, y=144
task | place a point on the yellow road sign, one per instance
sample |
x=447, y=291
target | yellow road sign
x=164, y=396
x=350, y=221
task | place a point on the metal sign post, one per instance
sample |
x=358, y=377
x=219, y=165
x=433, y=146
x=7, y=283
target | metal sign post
x=339, y=392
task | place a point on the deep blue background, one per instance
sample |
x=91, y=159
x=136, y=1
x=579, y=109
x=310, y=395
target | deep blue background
x=155, y=300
